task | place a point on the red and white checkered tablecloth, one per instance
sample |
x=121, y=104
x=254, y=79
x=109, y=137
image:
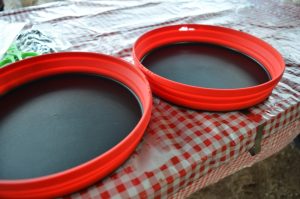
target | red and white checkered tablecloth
x=273, y=144
x=180, y=145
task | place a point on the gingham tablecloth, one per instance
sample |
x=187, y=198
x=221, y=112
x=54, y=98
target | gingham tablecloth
x=180, y=145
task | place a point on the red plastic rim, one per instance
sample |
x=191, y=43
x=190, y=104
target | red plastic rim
x=80, y=176
x=209, y=98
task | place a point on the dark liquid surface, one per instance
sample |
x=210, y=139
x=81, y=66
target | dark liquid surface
x=54, y=124
x=205, y=65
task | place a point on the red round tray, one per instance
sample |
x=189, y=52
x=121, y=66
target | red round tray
x=203, y=98
x=18, y=74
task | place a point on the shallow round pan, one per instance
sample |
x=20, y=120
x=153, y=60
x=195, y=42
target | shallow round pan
x=208, y=67
x=67, y=120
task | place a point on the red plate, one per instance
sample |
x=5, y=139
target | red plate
x=209, y=98
x=50, y=118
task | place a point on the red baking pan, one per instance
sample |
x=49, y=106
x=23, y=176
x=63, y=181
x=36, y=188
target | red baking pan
x=68, y=120
x=208, y=67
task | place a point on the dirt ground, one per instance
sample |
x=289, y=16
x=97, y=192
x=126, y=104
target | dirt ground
x=277, y=177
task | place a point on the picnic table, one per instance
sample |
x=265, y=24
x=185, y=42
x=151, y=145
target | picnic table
x=182, y=150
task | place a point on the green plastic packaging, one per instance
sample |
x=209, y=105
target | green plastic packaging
x=13, y=54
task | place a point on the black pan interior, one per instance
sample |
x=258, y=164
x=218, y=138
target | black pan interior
x=59, y=122
x=205, y=65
